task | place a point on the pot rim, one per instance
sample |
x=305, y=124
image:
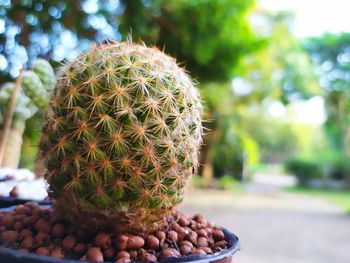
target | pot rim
x=31, y=257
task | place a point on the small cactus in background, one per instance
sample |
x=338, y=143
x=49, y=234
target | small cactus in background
x=37, y=84
x=121, y=137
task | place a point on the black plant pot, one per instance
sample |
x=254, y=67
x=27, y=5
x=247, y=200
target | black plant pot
x=8, y=255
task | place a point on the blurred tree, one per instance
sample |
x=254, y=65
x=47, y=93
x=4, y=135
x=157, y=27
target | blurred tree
x=56, y=29
x=209, y=36
x=331, y=52
x=282, y=71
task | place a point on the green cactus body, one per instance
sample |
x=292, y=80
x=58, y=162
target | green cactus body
x=24, y=107
x=121, y=137
x=43, y=69
x=34, y=89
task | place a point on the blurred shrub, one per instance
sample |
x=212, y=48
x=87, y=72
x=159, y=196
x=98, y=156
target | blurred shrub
x=198, y=181
x=233, y=150
x=226, y=182
x=304, y=169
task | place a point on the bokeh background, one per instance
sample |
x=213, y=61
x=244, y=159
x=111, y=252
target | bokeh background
x=275, y=81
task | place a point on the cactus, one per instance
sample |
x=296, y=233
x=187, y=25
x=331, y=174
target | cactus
x=33, y=96
x=24, y=107
x=121, y=137
x=43, y=69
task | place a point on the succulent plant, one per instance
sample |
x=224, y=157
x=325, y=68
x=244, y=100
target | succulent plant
x=37, y=84
x=121, y=137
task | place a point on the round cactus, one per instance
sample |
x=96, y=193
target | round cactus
x=121, y=137
x=24, y=107
x=43, y=69
x=34, y=89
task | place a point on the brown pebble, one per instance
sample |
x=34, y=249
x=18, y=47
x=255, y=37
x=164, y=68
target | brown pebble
x=79, y=249
x=109, y=254
x=30, y=220
x=23, y=210
x=185, y=250
x=41, y=238
x=23, y=250
x=57, y=252
x=69, y=242
x=198, y=251
x=9, y=236
x=135, y=242
x=209, y=230
x=27, y=242
x=58, y=230
x=14, y=192
x=169, y=252
x=197, y=217
x=94, y=254
x=147, y=257
x=19, y=217
x=186, y=243
x=18, y=226
x=160, y=235
x=202, y=223
x=181, y=232
x=202, y=233
x=202, y=242
x=43, y=225
x=172, y=236
x=42, y=251
x=192, y=237
x=121, y=242
x=175, y=226
x=183, y=221
x=218, y=235
x=25, y=233
x=221, y=244
x=31, y=204
x=37, y=211
x=7, y=221
x=152, y=242
x=2, y=229
x=103, y=240
x=193, y=225
x=133, y=254
x=123, y=254
x=123, y=260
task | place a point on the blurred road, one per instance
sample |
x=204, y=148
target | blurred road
x=277, y=227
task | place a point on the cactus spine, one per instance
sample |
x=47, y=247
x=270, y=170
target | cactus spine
x=122, y=136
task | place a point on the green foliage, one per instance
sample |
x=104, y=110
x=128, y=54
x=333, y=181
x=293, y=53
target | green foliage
x=340, y=198
x=282, y=70
x=210, y=36
x=330, y=53
x=233, y=150
x=226, y=182
x=123, y=134
x=53, y=29
x=304, y=169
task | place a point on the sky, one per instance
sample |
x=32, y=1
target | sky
x=314, y=17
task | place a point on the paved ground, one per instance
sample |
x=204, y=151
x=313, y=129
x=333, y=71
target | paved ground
x=277, y=227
